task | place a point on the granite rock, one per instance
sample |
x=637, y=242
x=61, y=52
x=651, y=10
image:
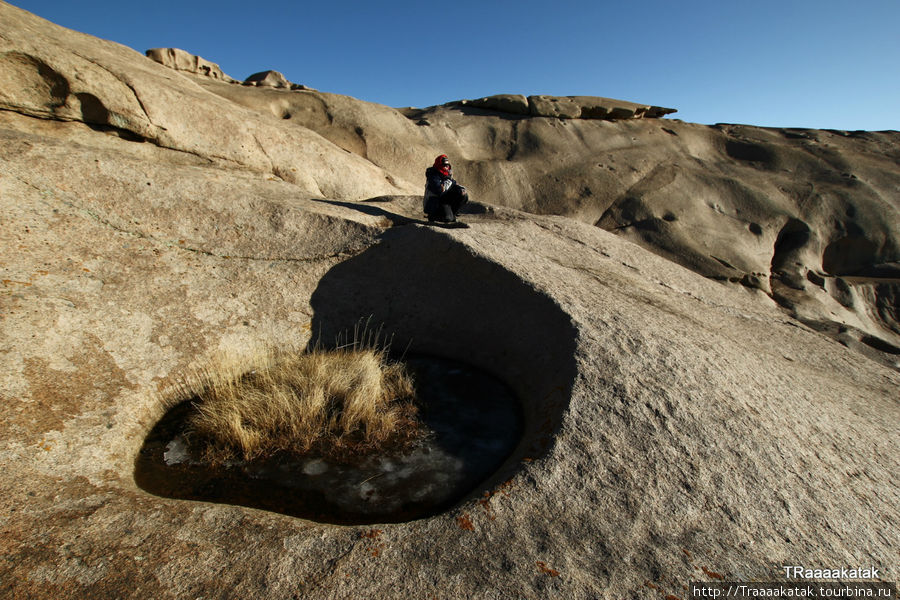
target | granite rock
x=180, y=60
x=677, y=425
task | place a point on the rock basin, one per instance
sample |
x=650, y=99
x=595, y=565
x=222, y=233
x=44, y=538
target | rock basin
x=472, y=423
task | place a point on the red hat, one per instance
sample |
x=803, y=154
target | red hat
x=440, y=166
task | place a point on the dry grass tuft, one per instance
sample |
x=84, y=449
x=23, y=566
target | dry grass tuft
x=340, y=402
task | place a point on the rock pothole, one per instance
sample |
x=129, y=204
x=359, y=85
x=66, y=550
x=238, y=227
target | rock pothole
x=495, y=363
x=471, y=423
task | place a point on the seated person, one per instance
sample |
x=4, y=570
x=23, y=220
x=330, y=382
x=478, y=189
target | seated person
x=443, y=196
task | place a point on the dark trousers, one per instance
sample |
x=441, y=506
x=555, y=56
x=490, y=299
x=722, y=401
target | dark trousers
x=448, y=205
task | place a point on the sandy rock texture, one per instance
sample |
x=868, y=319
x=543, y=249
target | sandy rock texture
x=678, y=425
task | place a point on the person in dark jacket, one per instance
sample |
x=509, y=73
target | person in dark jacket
x=443, y=196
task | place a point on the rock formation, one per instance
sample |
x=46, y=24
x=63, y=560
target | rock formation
x=178, y=59
x=567, y=107
x=272, y=79
x=268, y=79
x=644, y=286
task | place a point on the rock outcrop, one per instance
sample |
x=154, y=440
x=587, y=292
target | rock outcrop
x=273, y=79
x=178, y=59
x=270, y=78
x=567, y=107
x=658, y=182
x=677, y=425
x=62, y=75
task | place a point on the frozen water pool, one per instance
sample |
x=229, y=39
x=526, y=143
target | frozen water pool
x=472, y=422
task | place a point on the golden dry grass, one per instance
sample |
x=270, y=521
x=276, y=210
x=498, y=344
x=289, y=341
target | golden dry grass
x=339, y=402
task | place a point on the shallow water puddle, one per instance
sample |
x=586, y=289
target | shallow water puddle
x=473, y=423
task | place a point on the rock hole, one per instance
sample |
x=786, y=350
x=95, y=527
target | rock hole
x=747, y=151
x=793, y=236
x=815, y=279
x=848, y=255
x=471, y=423
x=495, y=361
x=92, y=109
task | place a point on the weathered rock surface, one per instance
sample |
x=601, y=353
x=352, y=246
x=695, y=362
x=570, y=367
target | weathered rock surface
x=515, y=104
x=567, y=107
x=51, y=72
x=660, y=182
x=676, y=427
x=270, y=78
x=180, y=60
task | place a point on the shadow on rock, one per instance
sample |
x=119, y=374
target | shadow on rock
x=493, y=361
x=435, y=296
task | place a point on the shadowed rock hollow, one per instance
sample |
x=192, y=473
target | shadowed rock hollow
x=646, y=287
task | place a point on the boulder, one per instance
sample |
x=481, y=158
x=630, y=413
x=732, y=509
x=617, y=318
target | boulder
x=268, y=79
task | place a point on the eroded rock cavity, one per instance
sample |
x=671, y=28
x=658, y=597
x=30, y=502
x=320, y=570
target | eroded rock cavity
x=494, y=363
x=471, y=422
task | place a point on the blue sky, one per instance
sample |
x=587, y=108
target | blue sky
x=791, y=63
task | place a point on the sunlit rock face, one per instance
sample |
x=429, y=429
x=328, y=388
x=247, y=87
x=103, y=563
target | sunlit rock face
x=643, y=287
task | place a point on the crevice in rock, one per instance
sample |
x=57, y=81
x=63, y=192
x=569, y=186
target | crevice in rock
x=723, y=262
x=266, y=154
x=514, y=142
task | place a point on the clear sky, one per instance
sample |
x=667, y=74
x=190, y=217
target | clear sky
x=786, y=63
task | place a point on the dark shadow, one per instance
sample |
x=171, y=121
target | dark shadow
x=366, y=207
x=420, y=115
x=494, y=365
x=793, y=237
x=435, y=296
x=849, y=255
x=124, y=134
x=750, y=152
x=375, y=211
x=92, y=109
x=880, y=344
